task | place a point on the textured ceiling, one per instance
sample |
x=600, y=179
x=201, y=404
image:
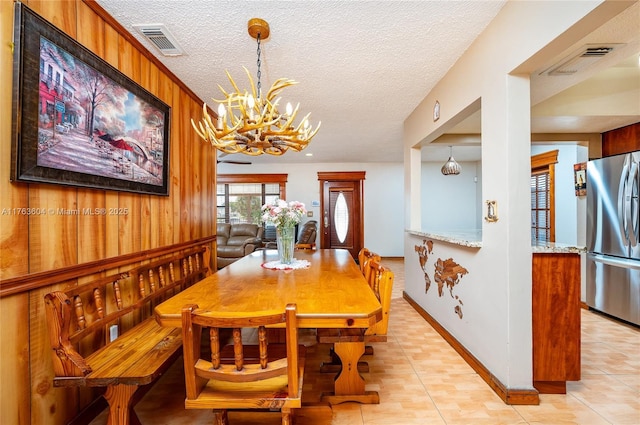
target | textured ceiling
x=362, y=66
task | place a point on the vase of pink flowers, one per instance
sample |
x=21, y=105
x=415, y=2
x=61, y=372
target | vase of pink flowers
x=284, y=216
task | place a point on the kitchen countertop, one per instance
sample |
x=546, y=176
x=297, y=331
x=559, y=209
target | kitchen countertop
x=470, y=239
x=556, y=248
x=473, y=239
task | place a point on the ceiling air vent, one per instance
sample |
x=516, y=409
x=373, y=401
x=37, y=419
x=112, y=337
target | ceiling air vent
x=159, y=36
x=584, y=58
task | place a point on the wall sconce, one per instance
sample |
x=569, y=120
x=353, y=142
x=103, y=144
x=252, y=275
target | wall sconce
x=492, y=211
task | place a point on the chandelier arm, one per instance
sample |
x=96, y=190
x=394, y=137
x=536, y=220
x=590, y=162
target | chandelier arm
x=230, y=149
x=251, y=83
x=271, y=109
x=276, y=152
x=201, y=131
x=226, y=95
x=313, y=133
x=233, y=83
x=296, y=145
x=289, y=122
x=278, y=86
x=301, y=124
x=207, y=130
x=206, y=118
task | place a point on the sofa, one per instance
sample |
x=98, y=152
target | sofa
x=234, y=241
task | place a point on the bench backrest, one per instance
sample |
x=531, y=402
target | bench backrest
x=123, y=299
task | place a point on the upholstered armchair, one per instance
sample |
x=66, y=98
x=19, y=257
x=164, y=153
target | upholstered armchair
x=307, y=236
x=234, y=241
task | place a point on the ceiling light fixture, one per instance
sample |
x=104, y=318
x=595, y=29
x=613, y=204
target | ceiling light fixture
x=451, y=167
x=251, y=123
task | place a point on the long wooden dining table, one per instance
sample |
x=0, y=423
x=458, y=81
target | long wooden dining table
x=330, y=293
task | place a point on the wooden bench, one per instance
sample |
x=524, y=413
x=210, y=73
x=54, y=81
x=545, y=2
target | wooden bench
x=84, y=319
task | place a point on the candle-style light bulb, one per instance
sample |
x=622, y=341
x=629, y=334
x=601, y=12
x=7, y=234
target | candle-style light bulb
x=289, y=109
x=222, y=112
x=251, y=103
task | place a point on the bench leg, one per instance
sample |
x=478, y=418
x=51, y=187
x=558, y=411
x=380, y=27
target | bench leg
x=120, y=409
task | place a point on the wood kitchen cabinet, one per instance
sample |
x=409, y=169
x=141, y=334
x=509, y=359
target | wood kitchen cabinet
x=556, y=321
x=621, y=140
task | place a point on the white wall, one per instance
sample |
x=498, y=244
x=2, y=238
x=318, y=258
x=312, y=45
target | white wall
x=496, y=291
x=451, y=203
x=383, y=196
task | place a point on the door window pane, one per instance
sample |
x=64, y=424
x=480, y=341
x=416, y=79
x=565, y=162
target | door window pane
x=341, y=218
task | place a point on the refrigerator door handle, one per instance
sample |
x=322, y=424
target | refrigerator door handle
x=614, y=261
x=631, y=204
x=622, y=192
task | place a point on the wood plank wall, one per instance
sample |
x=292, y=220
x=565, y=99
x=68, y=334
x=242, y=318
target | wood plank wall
x=30, y=244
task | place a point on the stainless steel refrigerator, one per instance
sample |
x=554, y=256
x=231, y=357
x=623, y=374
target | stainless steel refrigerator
x=613, y=236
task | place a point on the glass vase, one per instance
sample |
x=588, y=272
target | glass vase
x=285, y=238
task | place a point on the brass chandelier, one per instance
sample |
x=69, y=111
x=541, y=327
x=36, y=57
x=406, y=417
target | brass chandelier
x=251, y=123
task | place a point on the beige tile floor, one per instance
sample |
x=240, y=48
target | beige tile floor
x=422, y=380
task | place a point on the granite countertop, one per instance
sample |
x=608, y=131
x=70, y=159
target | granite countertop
x=473, y=239
x=470, y=239
x=557, y=248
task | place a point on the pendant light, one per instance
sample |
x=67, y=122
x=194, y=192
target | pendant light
x=451, y=167
x=252, y=122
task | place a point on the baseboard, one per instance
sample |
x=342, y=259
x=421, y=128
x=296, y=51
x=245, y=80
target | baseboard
x=508, y=395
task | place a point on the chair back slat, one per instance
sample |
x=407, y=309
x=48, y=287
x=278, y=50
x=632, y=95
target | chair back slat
x=238, y=354
x=262, y=346
x=214, y=343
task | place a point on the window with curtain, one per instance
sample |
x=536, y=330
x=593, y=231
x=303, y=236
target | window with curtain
x=543, y=197
x=240, y=197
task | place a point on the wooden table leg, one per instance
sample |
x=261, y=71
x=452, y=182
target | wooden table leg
x=119, y=399
x=349, y=384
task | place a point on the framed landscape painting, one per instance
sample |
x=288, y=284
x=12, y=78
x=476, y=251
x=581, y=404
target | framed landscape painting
x=78, y=121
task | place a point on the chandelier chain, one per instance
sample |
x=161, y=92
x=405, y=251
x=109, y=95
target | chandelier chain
x=258, y=63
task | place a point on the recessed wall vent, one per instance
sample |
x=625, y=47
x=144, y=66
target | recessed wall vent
x=582, y=59
x=159, y=36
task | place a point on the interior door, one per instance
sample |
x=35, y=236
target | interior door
x=342, y=211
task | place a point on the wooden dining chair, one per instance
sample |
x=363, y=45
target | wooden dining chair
x=364, y=256
x=380, y=280
x=241, y=376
